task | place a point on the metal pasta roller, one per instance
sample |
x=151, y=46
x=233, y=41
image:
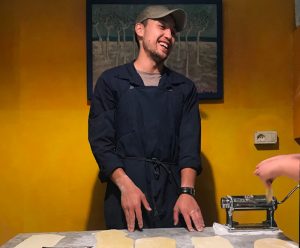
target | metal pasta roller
x=251, y=202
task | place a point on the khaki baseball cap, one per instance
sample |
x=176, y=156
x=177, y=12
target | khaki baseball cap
x=160, y=11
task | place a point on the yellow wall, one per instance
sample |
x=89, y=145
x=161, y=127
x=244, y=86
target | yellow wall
x=297, y=84
x=48, y=175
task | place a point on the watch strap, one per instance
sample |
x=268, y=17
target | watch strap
x=188, y=190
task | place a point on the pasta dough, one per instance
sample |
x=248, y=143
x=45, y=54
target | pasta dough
x=271, y=243
x=269, y=194
x=155, y=242
x=37, y=241
x=113, y=239
x=211, y=242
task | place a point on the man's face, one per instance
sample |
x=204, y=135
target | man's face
x=159, y=38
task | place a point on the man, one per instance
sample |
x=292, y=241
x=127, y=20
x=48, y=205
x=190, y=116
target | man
x=144, y=131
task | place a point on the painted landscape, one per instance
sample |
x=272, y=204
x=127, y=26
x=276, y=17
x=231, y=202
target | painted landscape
x=194, y=53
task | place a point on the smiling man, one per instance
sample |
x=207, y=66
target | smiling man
x=144, y=131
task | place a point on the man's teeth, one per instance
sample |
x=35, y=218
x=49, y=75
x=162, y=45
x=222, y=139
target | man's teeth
x=164, y=44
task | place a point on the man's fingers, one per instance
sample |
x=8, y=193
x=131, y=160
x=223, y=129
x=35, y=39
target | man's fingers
x=175, y=216
x=197, y=219
x=188, y=222
x=131, y=220
x=126, y=212
x=139, y=217
x=146, y=203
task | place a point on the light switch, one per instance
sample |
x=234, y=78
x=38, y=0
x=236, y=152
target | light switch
x=265, y=137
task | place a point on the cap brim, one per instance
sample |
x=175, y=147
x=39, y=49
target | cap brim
x=178, y=15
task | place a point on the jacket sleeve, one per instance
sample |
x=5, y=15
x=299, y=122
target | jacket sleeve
x=190, y=133
x=101, y=129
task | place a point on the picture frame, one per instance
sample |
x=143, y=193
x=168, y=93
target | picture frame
x=297, y=13
x=197, y=52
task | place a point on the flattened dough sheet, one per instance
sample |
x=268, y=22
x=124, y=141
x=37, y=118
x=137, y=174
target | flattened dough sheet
x=155, y=242
x=272, y=243
x=39, y=240
x=211, y=242
x=113, y=239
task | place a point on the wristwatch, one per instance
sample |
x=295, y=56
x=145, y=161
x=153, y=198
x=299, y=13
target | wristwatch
x=187, y=190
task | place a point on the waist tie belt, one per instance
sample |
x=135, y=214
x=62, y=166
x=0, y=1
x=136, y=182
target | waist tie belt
x=157, y=164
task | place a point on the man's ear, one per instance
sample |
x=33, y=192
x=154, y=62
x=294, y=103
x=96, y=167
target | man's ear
x=139, y=29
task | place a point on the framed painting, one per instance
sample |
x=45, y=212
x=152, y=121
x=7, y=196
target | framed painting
x=197, y=53
x=297, y=13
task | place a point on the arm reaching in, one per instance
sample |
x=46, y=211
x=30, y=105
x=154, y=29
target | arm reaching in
x=282, y=165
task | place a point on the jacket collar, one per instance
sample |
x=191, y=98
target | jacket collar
x=130, y=74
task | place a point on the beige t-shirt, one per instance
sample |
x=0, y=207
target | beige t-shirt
x=150, y=79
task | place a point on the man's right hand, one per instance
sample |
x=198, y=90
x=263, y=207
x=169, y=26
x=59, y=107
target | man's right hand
x=131, y=199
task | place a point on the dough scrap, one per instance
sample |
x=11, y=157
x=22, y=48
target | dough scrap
x=39, y=240
x=113, y=239
x=272, y=243
x=211, y=242
x=155, y=242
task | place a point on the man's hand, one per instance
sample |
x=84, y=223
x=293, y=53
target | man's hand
x=188, y=207
x=131, y=199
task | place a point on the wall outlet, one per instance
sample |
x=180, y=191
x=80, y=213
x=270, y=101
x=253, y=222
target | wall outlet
x=265, y=137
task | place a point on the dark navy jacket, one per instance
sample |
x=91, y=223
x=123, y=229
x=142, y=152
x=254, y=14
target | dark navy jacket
x=152, y=132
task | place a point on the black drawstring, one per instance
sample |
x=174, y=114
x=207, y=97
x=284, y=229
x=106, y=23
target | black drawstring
x=157, y=164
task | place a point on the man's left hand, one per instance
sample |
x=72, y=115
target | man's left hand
x=191, y=212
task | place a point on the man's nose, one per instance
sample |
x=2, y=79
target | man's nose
x=168, y=33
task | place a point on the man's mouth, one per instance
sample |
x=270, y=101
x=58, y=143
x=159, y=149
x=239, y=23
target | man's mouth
x=164, y=45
